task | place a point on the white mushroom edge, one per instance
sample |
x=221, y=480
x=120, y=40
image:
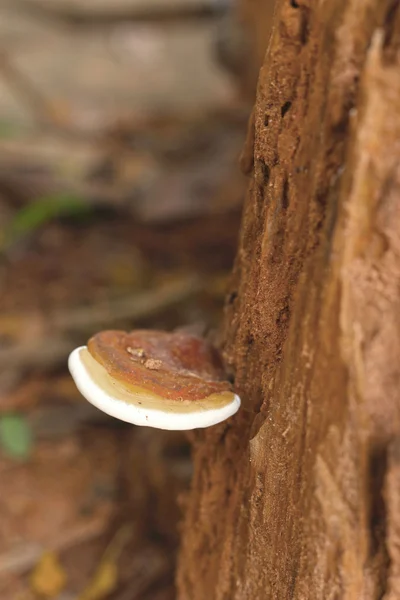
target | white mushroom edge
x=141, y=408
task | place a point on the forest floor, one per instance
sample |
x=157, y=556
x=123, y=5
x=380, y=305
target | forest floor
x=118, y=209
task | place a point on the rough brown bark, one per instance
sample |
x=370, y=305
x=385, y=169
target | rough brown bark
x=299, y=495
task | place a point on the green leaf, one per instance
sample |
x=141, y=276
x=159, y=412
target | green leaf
x=10, y=129
x=15, y=436
x=39, y=212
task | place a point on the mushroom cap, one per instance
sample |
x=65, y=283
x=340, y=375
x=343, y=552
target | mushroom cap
x=154, y=378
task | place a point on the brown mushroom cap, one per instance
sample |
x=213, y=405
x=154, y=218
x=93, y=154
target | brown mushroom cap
x=176, y=366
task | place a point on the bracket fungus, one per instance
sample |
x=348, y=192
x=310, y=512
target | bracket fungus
x=154, y=378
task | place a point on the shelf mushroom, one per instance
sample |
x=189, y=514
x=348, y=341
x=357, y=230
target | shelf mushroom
x=154, y=378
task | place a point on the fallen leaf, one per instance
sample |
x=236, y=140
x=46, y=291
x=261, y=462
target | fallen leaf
x=106, y=577
x=15, y=436
x=103, y=583
x=48, y=577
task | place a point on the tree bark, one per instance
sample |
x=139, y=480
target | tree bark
x=298, y=496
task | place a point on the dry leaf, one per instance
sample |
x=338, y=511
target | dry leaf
x=103, y=583
x=48, y=577
x=106, y=577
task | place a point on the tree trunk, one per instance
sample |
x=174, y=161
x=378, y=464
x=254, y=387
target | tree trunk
x=298, y=496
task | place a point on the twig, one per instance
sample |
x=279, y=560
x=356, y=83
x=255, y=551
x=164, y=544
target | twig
x=28, y=92
x=48, y=350
x=131, y=307
x=148, y=568
x=77, y=15
x=22, y=558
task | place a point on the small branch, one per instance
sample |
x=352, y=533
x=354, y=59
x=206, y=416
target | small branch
x=47, y=350
x=77, y=15
x=23, y=557
x=26, y=90
x=131, y=307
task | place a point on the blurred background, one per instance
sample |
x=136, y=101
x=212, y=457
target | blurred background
x=121, y=126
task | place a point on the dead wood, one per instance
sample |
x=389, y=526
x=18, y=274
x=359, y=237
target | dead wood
x=289, y=500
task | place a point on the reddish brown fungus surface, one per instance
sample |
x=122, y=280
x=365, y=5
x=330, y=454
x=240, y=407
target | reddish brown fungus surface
x=171, y=365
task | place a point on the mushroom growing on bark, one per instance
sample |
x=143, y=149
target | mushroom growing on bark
x=154, y=378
